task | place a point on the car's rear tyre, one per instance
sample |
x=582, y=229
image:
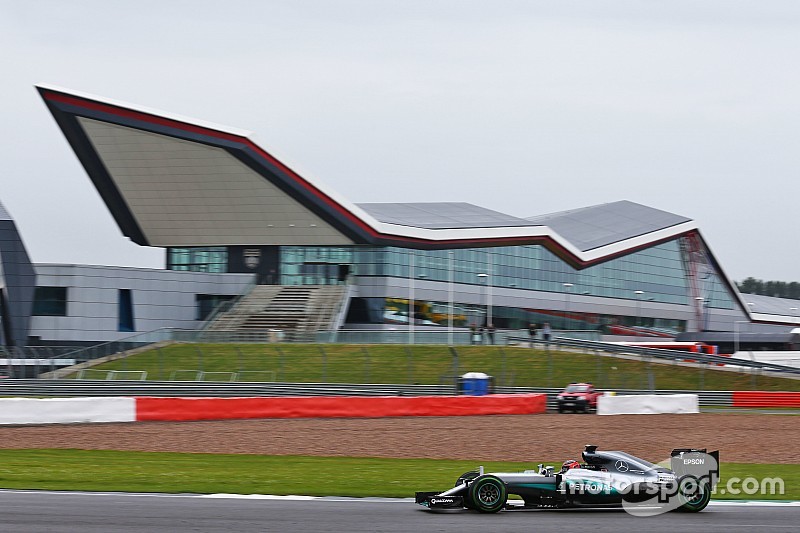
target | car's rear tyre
x=697, y=494
x=488, y=494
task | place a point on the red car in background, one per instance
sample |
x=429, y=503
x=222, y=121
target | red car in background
x=577, y=397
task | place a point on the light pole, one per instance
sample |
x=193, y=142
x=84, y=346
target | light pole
x=450, y=296
x=489, y=281
x=638, y=306
x=567, y=287
x=411, y=297
x=736, y=334
x=701, y=314
x=487, y=278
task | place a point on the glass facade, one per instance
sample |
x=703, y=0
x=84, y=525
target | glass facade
x=213, y=259
x=657, y=271
x=316, y=265
x=655, y=274
x=660, y=273
x=431, y=313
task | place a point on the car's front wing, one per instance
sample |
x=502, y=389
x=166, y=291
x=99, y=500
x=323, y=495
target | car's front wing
x=435, y=500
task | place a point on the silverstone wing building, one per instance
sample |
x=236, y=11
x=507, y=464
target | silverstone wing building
x=223, y=207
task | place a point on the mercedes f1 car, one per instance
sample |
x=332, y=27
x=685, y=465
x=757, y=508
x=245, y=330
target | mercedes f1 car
x=604, y=479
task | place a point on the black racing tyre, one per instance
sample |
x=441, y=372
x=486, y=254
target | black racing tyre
x=463, y=478
x=697, y=494
x=467, y=476
x=488, y=494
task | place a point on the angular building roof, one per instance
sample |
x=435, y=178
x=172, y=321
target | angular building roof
x=173, y=181
x=771, y=305
x=442, y=215
x=600, y=225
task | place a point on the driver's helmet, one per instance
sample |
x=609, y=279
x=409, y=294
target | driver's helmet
x=570, y=464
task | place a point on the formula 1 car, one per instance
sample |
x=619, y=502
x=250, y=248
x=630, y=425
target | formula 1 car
x=604, y=479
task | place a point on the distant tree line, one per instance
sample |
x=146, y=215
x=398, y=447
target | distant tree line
x=779, y=289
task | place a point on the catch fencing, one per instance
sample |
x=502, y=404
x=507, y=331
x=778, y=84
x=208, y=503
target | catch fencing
x=585, y=341
x=388, y=364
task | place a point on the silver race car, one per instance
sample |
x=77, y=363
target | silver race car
x=603, y=479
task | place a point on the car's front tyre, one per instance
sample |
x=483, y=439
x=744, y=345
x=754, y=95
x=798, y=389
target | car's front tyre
x=488, y=494
x=466, y=476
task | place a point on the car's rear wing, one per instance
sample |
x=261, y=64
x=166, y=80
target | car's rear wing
x=696, y=462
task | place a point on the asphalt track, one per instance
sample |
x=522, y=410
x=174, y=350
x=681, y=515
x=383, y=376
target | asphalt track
x=57, y=512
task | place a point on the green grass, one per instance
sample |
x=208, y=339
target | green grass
x=514, y=366
x=258, y=474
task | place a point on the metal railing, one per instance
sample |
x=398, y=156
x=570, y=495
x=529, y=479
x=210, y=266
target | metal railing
x=400, y=337
x=660, y=353
x=431, y=335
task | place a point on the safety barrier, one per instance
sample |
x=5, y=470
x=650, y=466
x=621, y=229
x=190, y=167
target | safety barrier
x=181, y=409
x=82, y=410
x=648, y=404
x=330, y=400
x=766, y=399
x=66, y=410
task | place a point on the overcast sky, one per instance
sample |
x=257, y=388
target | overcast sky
x=523, y=107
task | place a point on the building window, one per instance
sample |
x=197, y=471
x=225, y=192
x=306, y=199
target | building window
x=317, y=265
x=125, y=315
x=209, y=303
x=50, y=301
x=211, y=259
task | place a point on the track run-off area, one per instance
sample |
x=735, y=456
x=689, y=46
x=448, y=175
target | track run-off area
x=62, y=512
x=741, y=437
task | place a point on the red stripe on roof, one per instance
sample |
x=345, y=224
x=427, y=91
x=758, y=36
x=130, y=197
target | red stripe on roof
x=193, y=128
x=556, y=247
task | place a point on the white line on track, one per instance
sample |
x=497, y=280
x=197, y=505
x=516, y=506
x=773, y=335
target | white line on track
x=755, y=503
x=221, y=496
x=306, y=498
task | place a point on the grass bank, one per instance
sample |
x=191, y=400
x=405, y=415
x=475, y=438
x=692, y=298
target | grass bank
x=300, y=475
x=512, y=366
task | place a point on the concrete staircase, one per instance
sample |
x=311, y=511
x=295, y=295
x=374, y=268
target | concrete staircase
x=256, y=301
x=297, y=310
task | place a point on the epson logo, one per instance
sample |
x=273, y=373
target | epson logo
x=435, y=501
